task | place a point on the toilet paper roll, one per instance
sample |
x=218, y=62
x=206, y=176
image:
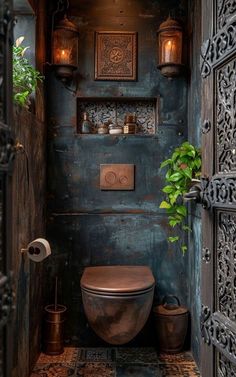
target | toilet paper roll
x=38, y=250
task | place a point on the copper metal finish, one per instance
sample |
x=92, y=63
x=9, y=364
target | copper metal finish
x=54, y=329
x=117, y=177
x=117, y=300
x=130, y=118
x=117, y=279
x=116, y=55
x=171, y=321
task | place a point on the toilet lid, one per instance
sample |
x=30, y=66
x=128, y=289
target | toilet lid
x=122, y=279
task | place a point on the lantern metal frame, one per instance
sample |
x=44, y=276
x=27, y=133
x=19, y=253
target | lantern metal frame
x=170, y=69
x=64, y=71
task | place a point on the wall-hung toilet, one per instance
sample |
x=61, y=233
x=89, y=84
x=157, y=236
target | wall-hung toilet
x=117, y=300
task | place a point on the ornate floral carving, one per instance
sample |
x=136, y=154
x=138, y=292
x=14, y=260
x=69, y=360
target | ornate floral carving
x=115, y=56
x=6, y=299
x=6, y=147
x=219, y=47
x=226, y=264
x=225, y=368
x=114, y=110
x=225, y=12
x=226, y=117
x=219, y=191
x=220, y=331
x=205, y=324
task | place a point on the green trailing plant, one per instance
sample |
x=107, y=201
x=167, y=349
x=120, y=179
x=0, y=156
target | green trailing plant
x=183, y=165
x=25, y=76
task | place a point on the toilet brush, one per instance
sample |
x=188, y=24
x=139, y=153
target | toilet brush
x=53, y=336
x=55, y=298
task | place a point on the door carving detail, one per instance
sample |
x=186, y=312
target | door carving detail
x=205, y=324
x=216, y=329
x=225, y=367
x=220, y=191
x=219, y=47
x=226, y=264
x=6, y=300
x=225, y=12
x=226, y=117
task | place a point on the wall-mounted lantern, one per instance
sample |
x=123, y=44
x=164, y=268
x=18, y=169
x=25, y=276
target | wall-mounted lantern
x=65, y=48
x=170, y=37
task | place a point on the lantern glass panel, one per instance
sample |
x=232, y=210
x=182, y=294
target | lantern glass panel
x=65, y=47
x=170, y=47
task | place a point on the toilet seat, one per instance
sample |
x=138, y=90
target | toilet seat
x=117, y=280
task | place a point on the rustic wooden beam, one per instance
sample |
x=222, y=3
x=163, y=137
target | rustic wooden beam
x=40, y=50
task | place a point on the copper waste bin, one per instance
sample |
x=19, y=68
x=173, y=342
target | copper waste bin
x=171, y=322
x=53, y=334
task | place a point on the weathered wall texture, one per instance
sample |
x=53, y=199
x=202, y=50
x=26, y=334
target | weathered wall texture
x=194, y=120
x=87, y=226
x=28, y=223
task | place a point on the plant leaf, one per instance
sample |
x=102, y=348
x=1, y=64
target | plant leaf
x=188, y=173
x=175, y=177
x=186, y=228
x=165, y=163
x=182, y=210
x=184, y=248
x=165, y=205
x=168, y=189
x=173, y=239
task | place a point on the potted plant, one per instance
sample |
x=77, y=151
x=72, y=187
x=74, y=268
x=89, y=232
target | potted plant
x=184, y=165
x=25, y=76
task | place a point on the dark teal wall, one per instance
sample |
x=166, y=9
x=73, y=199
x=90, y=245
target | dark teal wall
x=85, y=225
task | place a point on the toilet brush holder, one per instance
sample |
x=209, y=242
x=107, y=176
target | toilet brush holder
x=53, y=334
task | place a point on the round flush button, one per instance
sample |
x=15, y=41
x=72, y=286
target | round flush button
x=110, y=178
x=123, y=180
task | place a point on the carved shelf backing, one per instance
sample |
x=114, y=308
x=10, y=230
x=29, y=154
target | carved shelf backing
x=105, y=109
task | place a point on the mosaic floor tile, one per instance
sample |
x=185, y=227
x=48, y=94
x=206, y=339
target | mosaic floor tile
x=53, y=370
x=115, y=362
x=96, y=370
x=146, y=355
x=96, y=354
x=181, y=370
x=69, y=356
x=182, y=357
x=137, y=370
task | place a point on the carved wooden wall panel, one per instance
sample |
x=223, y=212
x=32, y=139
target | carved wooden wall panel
x=226, y=117
x=225, y=12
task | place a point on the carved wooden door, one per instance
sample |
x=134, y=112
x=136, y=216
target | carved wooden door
x=218, y=69
x=6, y=152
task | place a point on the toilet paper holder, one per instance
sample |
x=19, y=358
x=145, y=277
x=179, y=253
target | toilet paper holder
x=37, y=250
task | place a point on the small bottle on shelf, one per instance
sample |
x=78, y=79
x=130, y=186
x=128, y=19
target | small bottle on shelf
x=86, y=127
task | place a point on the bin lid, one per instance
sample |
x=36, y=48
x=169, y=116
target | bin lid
x=123, y=279
x=170, y=308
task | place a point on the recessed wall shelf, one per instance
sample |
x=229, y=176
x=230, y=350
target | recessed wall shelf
x=112, y=109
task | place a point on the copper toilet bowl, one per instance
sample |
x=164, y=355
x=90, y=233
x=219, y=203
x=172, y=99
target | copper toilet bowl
x=117, y=300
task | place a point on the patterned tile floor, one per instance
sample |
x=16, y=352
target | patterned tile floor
x=115, y=362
